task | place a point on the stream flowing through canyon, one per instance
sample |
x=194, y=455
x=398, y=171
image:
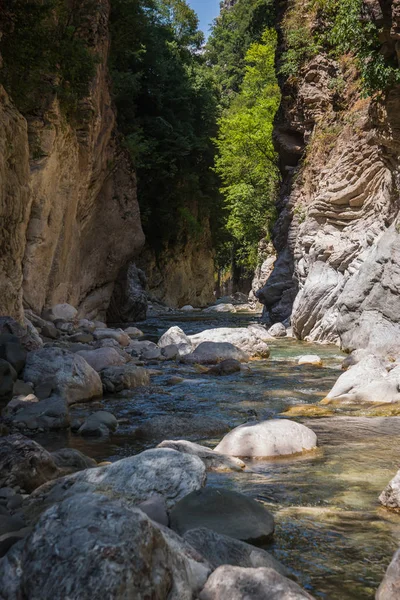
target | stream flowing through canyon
x=330, y=529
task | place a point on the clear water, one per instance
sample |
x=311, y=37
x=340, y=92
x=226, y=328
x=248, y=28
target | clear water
x=330, y=528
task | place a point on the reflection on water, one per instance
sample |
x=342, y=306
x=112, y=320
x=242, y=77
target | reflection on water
x=330, y=529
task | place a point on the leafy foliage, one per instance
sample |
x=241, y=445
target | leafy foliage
x=166, y=101
x=44, y=54
x=247, y=161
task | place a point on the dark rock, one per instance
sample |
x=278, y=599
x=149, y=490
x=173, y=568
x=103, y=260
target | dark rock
x=22, y=389
x=12, y=351
x=7, y=540
x=170, y=352
x=46, y=388
x=14, y=502
x=28, y=337
x=25, y=463
x=224, y=511
x=156, y=509
x=129, y=300
x=49, y=414
x=126, y=377
x=71, y=460
x=98, y=424
x=105, y=551
x=7, y=378
x=224, y=550
x=8, y=524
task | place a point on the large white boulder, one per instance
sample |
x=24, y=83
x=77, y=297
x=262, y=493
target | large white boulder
x=177, y=337
x=277, y=437
x=250, y=340
x=73, y=378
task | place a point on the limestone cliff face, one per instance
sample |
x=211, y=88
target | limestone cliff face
x=337, y=234
x=71, y=189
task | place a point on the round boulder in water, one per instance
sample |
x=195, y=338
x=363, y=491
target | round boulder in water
x=277, y=437
x=224, y=511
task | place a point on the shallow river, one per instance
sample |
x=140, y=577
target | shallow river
x=330, y=529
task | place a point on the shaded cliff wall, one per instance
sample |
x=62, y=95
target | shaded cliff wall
x=71, y=188
x=337, y=235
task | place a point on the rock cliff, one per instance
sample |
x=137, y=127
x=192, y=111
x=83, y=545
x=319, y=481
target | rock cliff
x=68, y=196
x=338, y=233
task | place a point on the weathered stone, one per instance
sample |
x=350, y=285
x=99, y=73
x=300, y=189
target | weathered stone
x=175, y=336
x=118, y=335
x=237, y=583
x=277, y=330
x=187, y=308
x=310, y=359
x=156, y=509
x=226, y=367
x=74, y=377
x=390, y=586
x=224, y=511
x=99, y=423
x=214, y=461
x=129, y=300
x=7, y=379
x=25, y=463
x=210, y=353
x=220, y=308
x=248, y=339
x=127, y=377
x=130, y=555
x=70, y=460
x=390, y=496
x=170, y=352
x=26, y=333
x=134, y=332
x=22, y=389
x=194, y=427
x=224, y=550
x=81, y=337
x=160, y=471
x=101, y=358
x=277, y=437
x=33, y=414
x=65, y=311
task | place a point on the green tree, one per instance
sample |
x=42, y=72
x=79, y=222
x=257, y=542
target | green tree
x=247, y=161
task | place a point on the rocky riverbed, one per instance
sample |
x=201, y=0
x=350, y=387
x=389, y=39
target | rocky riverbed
x=103, y=426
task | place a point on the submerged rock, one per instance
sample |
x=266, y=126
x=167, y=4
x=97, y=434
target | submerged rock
x=310, y=359
x=236, y=583
x=209, y=353
x=190, y=426
x=31, y=413
x=106, y=550
x=214, y=461
x=73, y=377
x=24, y=463
x=224, y=511
x=277, y=437
x=99, y=424
x=250, y=340
x=226, y=367
x=224, y=550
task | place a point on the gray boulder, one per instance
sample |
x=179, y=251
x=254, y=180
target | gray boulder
x=99, y=424
x=12, y=351
x=26, y=333
x=24, y=463
x=70, y=460
x=134, y=332
x=278, y=330
x=224, y=511
x=117, y=335
x=177, y=337
x=214, y=461
x=101, y=358
x=127, y=377
x=224, y=550
x=65, y=312
x=226, y=367
x=211, y=353
x=170, y=352
x=104, y=551
x=236, y=583
x=156, y=509
x=160, y=471
x=249, y=340
x=194, y=427
x=390, y=497
x=277, y=437
x=390, y=586
x=74, y=377
x=30, y=413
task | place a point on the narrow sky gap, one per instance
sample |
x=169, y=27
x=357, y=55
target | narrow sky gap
x=207, y=10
